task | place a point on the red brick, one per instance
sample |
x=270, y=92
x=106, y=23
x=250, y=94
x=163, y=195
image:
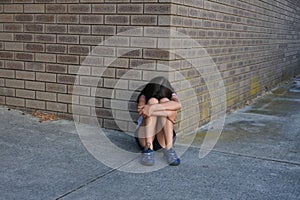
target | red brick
x=25, y=75
x=130, y=8
x=14, y=83
x=54, y=87
x=56, y=8
x=56, y=48
x=13, y=8
x=6, y=55
x=2, y=100
x=67, y=79
x=158, y=8
x=23, y=17
x=116, y=19
x=44, y=18
x=13, y=27
x=45, y=77
x=133, y=74
x=81, y=70
x=102, y=92
x=79, y=90
x=9, y=92
x=90, y=81
x=79, y=29
x=34, y=47
x=45, y=1
x=44, y=57
x=34, y=85
x=16, y=46
x=60, y=107
x=15, y=101
x=45, y=38
x=56, y=68
x=7, y=73
x=24, y=56
x=35, y=66
x=68, y=59
x=103, y=30
x=104, y=8
x=79, y=109
x=27, y=94
x=104, y=112
x=144, y=20
x=34, y=28
x=90, y=101
x=56, y=28
x=92, y=40
x=35, y=104
x=14, y=65
x=6, y=18
x=23, y=37
x=81, y=50
x=68, y=1
x=67, y=98
x=34, y=8
x=115, y=124
x=69, y=19
x=6, y=37
x=46, y=96
x=91, y=19
x=156, y=54
x=79, y=8
x=68, y=39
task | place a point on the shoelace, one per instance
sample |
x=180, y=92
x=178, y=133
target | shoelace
x=171, y=155
x=147, y=155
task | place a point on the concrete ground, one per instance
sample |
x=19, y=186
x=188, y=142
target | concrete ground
x=256, y=157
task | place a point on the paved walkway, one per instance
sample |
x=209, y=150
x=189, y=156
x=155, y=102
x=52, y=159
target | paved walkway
x=257, y=157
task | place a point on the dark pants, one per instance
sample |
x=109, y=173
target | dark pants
x=156, y=145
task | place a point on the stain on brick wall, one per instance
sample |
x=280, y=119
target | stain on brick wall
x=44, y=44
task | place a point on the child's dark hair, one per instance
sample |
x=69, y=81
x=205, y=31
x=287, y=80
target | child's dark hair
x=159, y=87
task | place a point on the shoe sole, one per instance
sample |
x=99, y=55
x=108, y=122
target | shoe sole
x=173, y=163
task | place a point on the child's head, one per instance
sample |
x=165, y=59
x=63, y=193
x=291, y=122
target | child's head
x=159, y=87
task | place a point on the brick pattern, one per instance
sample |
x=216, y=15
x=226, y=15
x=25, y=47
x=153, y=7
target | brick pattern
x=255, y=45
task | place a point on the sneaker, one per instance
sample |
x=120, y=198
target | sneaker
x=148, y=157
x=171, y=157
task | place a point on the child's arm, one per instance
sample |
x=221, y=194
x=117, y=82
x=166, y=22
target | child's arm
x=169, y=105
x=161, y=109
x=141, y=103
x=172, y=105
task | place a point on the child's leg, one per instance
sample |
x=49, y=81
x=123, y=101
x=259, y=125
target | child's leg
x=147, y=133
x=143, y=140
x=165, y=136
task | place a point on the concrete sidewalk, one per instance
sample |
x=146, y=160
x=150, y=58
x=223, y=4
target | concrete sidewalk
x=256, y=157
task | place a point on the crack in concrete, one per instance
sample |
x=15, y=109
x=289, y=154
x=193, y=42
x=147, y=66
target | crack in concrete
x=251, y=156
x=93, y=180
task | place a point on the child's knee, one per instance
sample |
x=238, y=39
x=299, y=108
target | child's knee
x=172, y=116
x=153, y=101
x=163, y=100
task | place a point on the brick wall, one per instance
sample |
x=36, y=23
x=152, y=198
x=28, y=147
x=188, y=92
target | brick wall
x=255, y=44
x=44, y=46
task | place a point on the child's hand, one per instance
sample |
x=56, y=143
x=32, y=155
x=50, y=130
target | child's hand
x=147, y=111
x=140, y=110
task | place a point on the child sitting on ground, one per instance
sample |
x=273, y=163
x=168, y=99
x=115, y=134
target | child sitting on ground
x=157, y=106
